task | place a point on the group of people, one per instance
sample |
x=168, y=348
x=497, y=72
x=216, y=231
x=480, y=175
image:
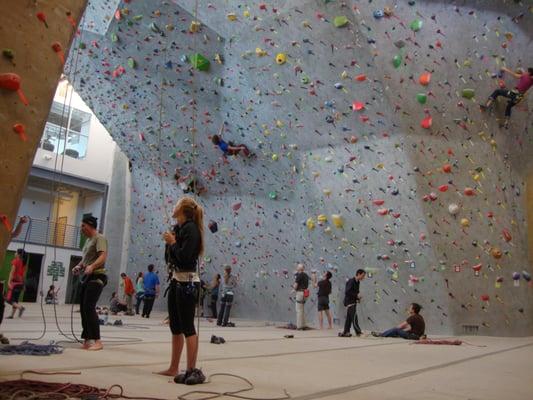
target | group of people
x=412, y=328
x=145, y=290
x=183, y=247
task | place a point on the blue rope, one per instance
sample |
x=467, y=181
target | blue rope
x=31, y=349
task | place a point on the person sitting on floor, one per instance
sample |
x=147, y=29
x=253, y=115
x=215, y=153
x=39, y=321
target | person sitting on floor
x=51, y=295
x=413, y=328
x=116, y=306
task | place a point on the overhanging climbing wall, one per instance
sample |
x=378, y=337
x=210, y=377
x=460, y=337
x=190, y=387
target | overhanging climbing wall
x=34, y=37
x=371, y=150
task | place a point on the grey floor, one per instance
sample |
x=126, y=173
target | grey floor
x=313, y=365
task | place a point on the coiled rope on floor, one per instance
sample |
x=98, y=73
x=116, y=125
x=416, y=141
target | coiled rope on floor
x=26, y=389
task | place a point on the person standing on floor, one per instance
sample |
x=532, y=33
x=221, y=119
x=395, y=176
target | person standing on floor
x=413, y=328
x=139, y=292
x=351, y=298
x=215, y=285
x=151, y=291
x=183, y=248
x=227, y=287
x=129, y=291
x=15, y=283
x=324, y=290
x=93, y=266
x=301, y=285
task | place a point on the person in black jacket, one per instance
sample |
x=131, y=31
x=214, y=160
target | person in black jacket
x=183, y=248
x=351, y=298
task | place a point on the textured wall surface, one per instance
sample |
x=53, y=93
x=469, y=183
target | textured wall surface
x=26, y=50
x=342, y=128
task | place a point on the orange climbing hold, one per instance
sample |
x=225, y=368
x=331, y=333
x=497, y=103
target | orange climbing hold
x=425, y=78
x=5, y=221
x=360, y=78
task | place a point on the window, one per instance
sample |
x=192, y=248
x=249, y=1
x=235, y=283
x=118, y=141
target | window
x=70, y=122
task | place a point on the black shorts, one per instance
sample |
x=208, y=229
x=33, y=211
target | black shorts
x=182, y=299
x=15, y=294
x=323, y=303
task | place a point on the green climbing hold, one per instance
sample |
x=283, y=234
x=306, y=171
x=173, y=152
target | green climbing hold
x=416, y=25
x=131, y=63
x=114, y=37
x=8, y=53
x=422, y=98
x=137, y=17
x=82, y=46
x=468, y=93
x=199, y=62
x=340, y=21
x=397, y=60
x=304, y=79
x=273, y=195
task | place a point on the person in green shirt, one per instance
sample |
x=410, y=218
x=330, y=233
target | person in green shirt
x=94, y=279
x=139, y=291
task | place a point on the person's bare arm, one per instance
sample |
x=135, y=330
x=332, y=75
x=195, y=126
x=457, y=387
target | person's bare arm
x=157, y=290
x=517, y=76
x=19, y=226
x=10, y=276
x=405, y=326
x=314, y=279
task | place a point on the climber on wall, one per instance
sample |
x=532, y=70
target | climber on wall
x=228, y=148
x=525, y=81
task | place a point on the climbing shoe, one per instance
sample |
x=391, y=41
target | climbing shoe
x=180, y=378
x=195, y=378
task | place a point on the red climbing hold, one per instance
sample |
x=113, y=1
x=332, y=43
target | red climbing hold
x=5, y=221
x=11, y=81
x=20, y=130
x=447, y=168
x=42, y=17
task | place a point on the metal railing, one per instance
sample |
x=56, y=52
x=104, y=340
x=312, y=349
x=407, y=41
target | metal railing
x=55, y=234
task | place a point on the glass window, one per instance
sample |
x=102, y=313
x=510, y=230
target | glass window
x=66, y=131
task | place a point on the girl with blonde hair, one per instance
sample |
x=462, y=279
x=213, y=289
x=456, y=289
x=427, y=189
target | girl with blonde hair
x=183, y=248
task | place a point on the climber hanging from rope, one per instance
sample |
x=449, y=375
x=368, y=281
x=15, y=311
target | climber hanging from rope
x=515, y=96
x=229, y=148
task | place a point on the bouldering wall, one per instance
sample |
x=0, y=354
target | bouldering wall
x=34, y=37
x=370, y=148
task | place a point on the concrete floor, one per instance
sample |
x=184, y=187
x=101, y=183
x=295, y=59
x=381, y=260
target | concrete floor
x=314, y=365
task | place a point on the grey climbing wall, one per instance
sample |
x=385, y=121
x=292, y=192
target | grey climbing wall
x=370, y=147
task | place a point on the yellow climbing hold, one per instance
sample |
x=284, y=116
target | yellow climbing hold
x=259, y=52
x=231, y=17
x=337, y=220
x=310, y=224
x=281, y=58
x=322, y=219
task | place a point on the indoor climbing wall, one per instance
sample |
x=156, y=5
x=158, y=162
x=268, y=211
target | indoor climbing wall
x=370, y=149
x=34, y=39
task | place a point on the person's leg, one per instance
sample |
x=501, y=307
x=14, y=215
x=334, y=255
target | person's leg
x=129, y=304
x=175, y=323
x=227, y=310
x=244, y=149
x=356, y=321
x=299, y=310
x=349, y=319
x=137, y=303
x=330, y=320
x=83, y=288
x=92, y=294
x=395, y=332
x=321, y=319
x=149, y=306
x=214, y=306
x=222, y=309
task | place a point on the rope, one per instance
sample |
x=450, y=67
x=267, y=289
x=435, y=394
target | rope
x=30, y=349
x=31, y=389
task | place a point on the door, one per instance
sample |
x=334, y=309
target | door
x=61, y=228
x=33, y=274
x=73, y=282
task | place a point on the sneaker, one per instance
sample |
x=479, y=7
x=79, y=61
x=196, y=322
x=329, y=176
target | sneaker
x=230, y=324
x=3, y=339
x=214, y=339
x=375, y=334
x=196, y=377
x=21, y=311
x=180, y=378
x=343, y=334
